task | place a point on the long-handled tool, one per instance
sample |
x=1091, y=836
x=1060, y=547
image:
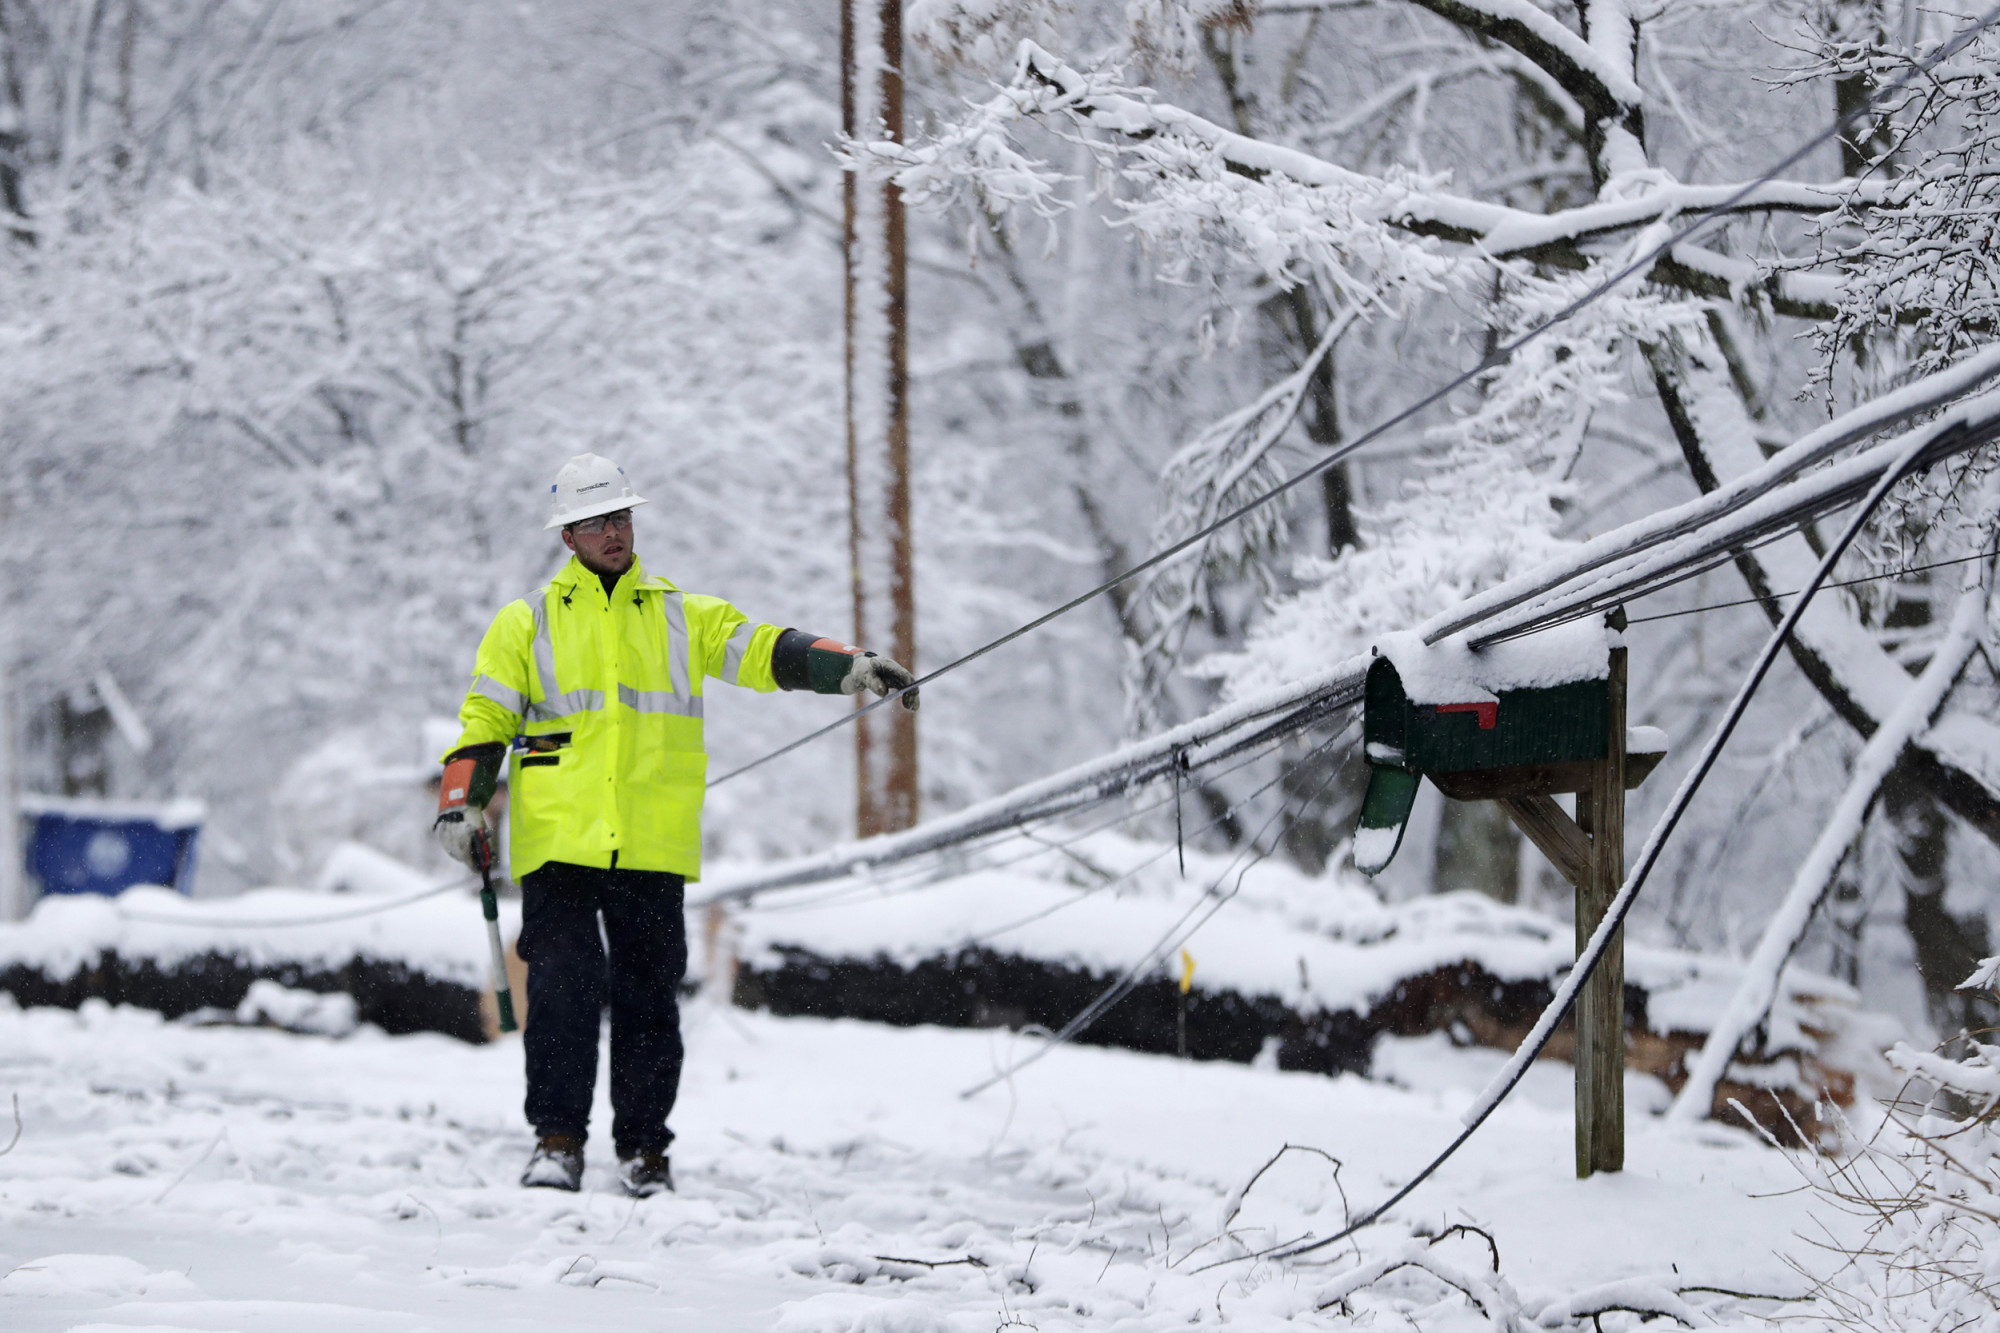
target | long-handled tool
x=489, y=903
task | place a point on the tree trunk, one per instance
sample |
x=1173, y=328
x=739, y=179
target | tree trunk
x=13, y=128
x=82, y=731
x=1036, y=352
x=1326, y=788
x=1947, y=947
x=1295, y=315
x=878, y=429
x=1866, y=141
x=1847, y=913
x=1477, y=848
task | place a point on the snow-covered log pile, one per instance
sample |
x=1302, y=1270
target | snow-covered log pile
x=1304, y=972
x=417, y=968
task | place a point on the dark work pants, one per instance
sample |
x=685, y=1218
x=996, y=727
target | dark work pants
x=569, y=985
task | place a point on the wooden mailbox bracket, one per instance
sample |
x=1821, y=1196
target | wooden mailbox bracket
x=1589, y=850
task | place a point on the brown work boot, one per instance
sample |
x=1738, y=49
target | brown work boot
x=645, y=1174
x=556, y=1165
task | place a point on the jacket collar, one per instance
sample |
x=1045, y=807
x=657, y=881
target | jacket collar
x=573, y=575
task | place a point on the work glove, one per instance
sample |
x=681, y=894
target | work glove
x=881, y=676
x=802, y=661
x=471, y=776
x=459, y=836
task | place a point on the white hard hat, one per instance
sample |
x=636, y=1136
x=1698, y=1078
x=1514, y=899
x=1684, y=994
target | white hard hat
x=588, y=486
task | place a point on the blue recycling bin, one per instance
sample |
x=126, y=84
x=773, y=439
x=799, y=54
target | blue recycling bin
x=76, y=845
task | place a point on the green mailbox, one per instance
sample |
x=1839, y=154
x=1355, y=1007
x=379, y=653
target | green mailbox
x=1522, y=718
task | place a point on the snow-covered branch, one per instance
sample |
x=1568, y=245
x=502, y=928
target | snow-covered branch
x=1210, y=171
x=1608, y=91
x=1703, y=272
x=1277, y=207
x=1814, y=876
x=1230, y=463
x=1925, y=253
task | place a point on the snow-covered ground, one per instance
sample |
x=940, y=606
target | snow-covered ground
x=831, y=1179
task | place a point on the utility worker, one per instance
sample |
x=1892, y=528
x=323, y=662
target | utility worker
x=590, y=690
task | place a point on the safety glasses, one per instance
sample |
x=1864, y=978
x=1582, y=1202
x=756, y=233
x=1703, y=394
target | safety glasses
x=620, y=522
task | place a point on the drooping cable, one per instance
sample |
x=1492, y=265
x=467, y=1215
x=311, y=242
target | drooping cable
x=1843, y=583
x=1132, y=871
x=924, y=877
x=1212, y=898
x=456, y=881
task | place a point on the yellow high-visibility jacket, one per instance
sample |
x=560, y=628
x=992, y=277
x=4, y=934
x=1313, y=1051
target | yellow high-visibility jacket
x=599, y=698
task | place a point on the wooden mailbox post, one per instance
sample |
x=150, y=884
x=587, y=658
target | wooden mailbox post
x=1520, y=723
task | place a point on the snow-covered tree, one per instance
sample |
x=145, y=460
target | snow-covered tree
x=1514, y=156
x=278, y=412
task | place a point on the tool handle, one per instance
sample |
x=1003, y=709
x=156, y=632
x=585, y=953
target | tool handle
x=489, y=905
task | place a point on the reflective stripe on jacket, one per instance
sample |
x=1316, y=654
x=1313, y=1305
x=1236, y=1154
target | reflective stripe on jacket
x=600, y=697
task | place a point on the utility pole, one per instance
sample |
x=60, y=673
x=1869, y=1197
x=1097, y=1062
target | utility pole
x=878, y=416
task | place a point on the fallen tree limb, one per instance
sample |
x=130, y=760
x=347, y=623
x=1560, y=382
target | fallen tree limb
x=1759, y=987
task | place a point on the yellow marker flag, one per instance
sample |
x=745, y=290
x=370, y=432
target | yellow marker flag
x=1187, y=971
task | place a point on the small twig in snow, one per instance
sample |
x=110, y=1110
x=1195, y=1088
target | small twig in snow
x=1024, y=1279
x=17, y=1127
x=629, y=1213
x=1739, y=1295
x=1469, y=1229
x=1597, y=1315
x=436, y=1221
x=220, y=1135
x=1234, y=1204
x=973, y=1260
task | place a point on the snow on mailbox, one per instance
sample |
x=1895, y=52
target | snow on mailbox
x=1524, y=717
x=78, y=845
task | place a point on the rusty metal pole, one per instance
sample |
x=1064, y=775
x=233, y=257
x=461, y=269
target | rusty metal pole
x=878, y=417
